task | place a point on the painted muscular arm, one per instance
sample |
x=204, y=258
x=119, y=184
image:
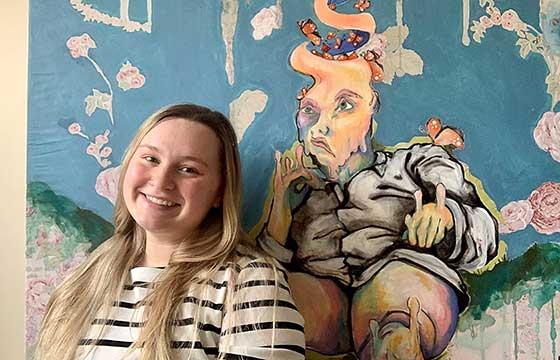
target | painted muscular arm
x=472, y=239
x=275, y=233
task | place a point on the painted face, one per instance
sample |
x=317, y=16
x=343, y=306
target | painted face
x=174, y=178
x=334, y=118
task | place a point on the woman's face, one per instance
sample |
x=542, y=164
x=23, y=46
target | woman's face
x=174, y=178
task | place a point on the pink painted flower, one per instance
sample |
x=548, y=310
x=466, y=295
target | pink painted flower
x=495, y=15
x=496, y=18
x=101, y=139
x=55, y=236
x=517, y=215
x=92, y=149
x=106, y=151
x=80, y=45
x=510, y=20
x=510, y=15
x=29, y=211
x=74, y=128
x=508, y=25
x=486, y=22
x=137, y=81
x=547, y=134
x=545, y=201
x=42, y=237
x=38, y=292
x=107, y=183
x=129, y=77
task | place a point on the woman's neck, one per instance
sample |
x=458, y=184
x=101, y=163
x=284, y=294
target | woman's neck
x=158, y=250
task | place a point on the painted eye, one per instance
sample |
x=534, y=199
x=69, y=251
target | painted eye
x=308, y=110
x=345, y=105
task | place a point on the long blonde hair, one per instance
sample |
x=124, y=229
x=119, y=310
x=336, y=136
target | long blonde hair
x=90, y=291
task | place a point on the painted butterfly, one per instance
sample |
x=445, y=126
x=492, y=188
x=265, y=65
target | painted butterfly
x=362, y=5
x=446, y=136
x=309, y=29
x=376, y=68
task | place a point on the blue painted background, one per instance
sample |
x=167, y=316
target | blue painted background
x=486, y=89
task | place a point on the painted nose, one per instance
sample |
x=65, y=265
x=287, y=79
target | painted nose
x=321, y=127
x=162, y=178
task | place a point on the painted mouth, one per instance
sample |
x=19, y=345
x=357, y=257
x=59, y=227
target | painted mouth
x=321, y=142
x=159, y=201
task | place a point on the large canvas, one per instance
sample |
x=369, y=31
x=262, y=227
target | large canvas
x=400, y=158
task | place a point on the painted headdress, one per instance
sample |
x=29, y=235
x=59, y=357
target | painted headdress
x=350, y=50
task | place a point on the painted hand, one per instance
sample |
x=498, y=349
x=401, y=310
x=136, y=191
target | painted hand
x=396, y=341
x=428, y=224
x=290, y=168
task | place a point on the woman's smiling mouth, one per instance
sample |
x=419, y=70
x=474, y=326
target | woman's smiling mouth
x=158, y=201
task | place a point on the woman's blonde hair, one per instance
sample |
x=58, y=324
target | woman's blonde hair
x=90, y=291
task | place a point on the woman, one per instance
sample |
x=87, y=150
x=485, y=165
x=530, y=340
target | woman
x=175, y=281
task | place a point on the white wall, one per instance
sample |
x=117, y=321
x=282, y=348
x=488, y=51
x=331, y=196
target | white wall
x=13, y=119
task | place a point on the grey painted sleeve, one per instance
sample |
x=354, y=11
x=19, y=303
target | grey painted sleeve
x=273, y=248
x=474, y=238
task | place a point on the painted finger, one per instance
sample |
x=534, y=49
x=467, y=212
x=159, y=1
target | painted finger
x=278, y=162
x=299, y=154
x=414, y=310
x=288, y=164
x=418, y=199
x=411, y=226
x=440, y=196
x=407, y=219
x=432, y=233
x=277, y=157
x=422, y=230
x=440, y=233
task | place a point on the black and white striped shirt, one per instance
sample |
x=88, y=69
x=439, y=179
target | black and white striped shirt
x=251, y=333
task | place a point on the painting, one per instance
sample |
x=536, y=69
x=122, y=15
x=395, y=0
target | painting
x=400, y=159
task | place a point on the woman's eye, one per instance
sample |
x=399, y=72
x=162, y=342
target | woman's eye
x=150, y=159
x=345, y=105
x=188, y=170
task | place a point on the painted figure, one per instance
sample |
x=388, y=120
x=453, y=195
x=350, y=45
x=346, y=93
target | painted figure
x=374, y=239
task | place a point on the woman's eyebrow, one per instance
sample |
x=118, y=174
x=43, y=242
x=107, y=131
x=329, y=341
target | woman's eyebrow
x=183, y=158
x=347, y=92
x=151, y=147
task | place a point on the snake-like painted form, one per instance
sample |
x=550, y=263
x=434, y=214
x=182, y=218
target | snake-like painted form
x=349, y=49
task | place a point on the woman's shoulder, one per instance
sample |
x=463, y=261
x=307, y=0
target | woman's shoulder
x=247, y=255
x=250, y=262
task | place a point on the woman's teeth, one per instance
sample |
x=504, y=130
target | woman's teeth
x=162, y=202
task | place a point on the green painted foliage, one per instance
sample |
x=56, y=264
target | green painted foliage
x=83, y=226
x=536, y=273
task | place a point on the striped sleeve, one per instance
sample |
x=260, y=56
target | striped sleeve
x=264, y=323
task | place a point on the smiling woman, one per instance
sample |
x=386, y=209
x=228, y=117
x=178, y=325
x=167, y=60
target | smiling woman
x=171, y=184
x=177, y=280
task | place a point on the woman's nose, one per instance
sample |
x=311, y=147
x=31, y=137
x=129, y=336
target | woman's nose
x=163, y=178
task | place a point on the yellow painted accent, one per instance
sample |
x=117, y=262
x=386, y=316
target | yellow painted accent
x=501, y=256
